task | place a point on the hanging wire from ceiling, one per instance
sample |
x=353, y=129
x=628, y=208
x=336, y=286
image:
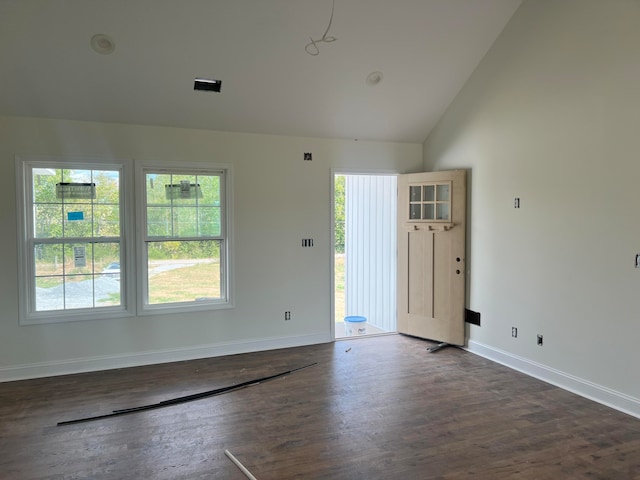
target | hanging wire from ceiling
x=312, y=47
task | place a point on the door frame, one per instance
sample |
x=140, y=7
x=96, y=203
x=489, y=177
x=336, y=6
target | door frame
x=332, y=286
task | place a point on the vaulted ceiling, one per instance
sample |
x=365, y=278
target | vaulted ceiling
x=425, y=50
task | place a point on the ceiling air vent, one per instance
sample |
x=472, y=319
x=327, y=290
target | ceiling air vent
x=207, y=85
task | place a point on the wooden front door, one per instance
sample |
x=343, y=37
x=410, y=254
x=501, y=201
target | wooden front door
x=431, y=255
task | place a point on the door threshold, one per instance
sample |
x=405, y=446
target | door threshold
x=368, y=335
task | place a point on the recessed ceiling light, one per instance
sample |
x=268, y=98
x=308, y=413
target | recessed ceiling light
x=102, y=44
x=207, y=84
x=374, y=78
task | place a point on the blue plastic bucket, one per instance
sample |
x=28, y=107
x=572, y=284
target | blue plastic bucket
x=355, y=325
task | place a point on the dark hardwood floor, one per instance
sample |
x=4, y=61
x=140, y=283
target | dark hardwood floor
x=373, y=408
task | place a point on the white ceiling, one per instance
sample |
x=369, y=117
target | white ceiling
x=426, y=50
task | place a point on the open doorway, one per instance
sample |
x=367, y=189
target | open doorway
x=365, y=239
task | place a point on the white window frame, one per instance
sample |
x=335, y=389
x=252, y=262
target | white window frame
x=226, y=280
x=26, y=262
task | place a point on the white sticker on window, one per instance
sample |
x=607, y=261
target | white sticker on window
x=80, y=256
x=75, y=190
x=182, y=190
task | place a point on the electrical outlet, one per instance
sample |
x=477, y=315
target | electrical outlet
x=539, y=339
x=514, y=332
x=516, y=202
x=287, y=315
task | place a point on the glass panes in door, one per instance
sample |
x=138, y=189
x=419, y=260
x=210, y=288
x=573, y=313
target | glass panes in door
x=430, y=202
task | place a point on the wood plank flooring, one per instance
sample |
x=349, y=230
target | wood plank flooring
x=373, y=408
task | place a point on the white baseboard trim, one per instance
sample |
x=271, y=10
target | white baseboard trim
x=92, y=364
x=606, y=396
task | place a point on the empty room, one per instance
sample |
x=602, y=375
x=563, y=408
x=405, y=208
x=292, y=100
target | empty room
x=179, y=269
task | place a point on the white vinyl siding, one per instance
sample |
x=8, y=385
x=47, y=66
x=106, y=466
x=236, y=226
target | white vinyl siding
x=370, y=248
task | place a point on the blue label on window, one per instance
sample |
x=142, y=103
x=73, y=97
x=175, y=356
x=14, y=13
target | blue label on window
x=75, y=216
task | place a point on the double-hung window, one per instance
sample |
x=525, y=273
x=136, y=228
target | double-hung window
x=77, y=251
x=184, y=241
x=73, y=243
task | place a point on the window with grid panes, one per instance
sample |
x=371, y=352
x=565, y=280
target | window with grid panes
x=76, y=255
x=72, y=246
x=184, y=245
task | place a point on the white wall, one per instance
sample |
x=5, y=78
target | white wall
x=278, y=200
x=552, y=115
